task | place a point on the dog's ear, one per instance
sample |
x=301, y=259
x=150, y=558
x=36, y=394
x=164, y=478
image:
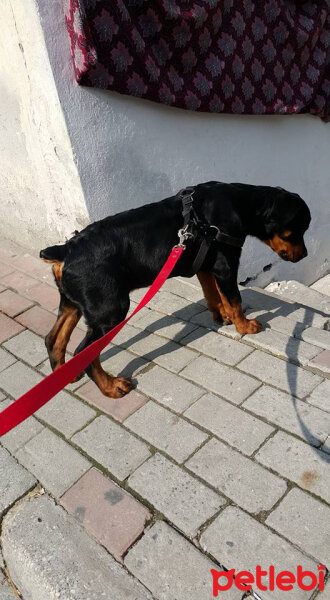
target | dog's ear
x=283, y=207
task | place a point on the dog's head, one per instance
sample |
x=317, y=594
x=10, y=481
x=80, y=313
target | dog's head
x=286, y=218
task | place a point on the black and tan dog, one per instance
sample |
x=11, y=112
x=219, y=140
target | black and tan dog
x=97, y=269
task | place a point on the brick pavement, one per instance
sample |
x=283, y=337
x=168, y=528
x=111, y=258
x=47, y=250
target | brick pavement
x=220, y=456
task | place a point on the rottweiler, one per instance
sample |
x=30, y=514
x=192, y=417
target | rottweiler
x=97, y=268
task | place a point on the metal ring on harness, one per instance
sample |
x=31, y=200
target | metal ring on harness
x=186, y=192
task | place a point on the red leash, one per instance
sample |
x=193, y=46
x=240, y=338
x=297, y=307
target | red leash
x=46, y=389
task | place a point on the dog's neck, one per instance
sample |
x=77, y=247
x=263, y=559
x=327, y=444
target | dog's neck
x=241, y=215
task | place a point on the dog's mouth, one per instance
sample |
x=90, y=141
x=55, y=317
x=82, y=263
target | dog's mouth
x=295, y=257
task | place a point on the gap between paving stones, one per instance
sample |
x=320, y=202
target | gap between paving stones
x=246, y=342
x=158, y=515
x=155, y=449
x=57, y=432
x=35, y=490
x=205, y=483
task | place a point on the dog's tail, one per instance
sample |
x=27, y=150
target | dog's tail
x=54, y=253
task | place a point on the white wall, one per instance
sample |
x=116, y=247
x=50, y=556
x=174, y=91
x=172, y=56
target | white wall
x=131, y=151
x=41, y=197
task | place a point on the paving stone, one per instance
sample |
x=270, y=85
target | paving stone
x=8, y=328
x=297, y=461
x=297, y=317
x=19, y=282
x=320, y=396
x=182, y=570
x=258, y=546
x=6, y=359
x=167, y=354
x=170, y=304
x=184, y=500
x=118, y=361
x=230, y=423
x=113, y=447
x=169, y=389
x=311, y=335
x=6, y=591
x=5, y=269
x=18, y=379
x=32, y=265
x=322, y=285
x=108, y=512
x=326, y=445
x=166, y=431
x=285, y=325
x=66, y=413
x=15, y=481
x=217, y=346
x=117, y=408
x=184, y=289
x=49, y=555
x=298, y=292
x=318, y=337
x=164, y=325
x=325, y=594
x=205, y=319
x=290, y=413
x=244, y=481
x=321, y=362
x=2, y=397
x=46, y=295
x=75, y=338
x=308, y=316
x=137, y=295
x=12, y=304
x=277, y=372
x=305, y=522
x=260, y=299
x=27, y=346
x=54, y=463
x=220, y=379
x=22, y=433
x=38, y=320
x=283, y=345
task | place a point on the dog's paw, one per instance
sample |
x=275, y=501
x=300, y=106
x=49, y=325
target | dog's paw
x=217, y=318
x=120, y=387
x=249, y=326
x=220, y=315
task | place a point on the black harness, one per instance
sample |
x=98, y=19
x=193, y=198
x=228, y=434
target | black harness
x=194, y=228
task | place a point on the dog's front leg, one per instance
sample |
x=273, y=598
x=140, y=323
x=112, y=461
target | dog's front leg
x=212, y=296
x=232, y=302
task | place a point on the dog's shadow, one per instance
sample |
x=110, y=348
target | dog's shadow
x=201, y=323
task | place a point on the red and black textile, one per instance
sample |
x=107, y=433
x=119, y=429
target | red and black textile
x=208, y=55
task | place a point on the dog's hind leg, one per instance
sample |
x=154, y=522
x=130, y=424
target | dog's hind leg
x=57, y=339
x=212, y=296
x=113, y=387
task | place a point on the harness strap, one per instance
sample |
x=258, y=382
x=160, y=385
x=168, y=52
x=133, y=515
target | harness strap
x=225, y=238
x=193, y=227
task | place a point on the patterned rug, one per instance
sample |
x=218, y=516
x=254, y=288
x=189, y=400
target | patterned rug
x=208, y=55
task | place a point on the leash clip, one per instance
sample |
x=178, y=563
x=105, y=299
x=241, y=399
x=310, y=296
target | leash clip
x=184, y=235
